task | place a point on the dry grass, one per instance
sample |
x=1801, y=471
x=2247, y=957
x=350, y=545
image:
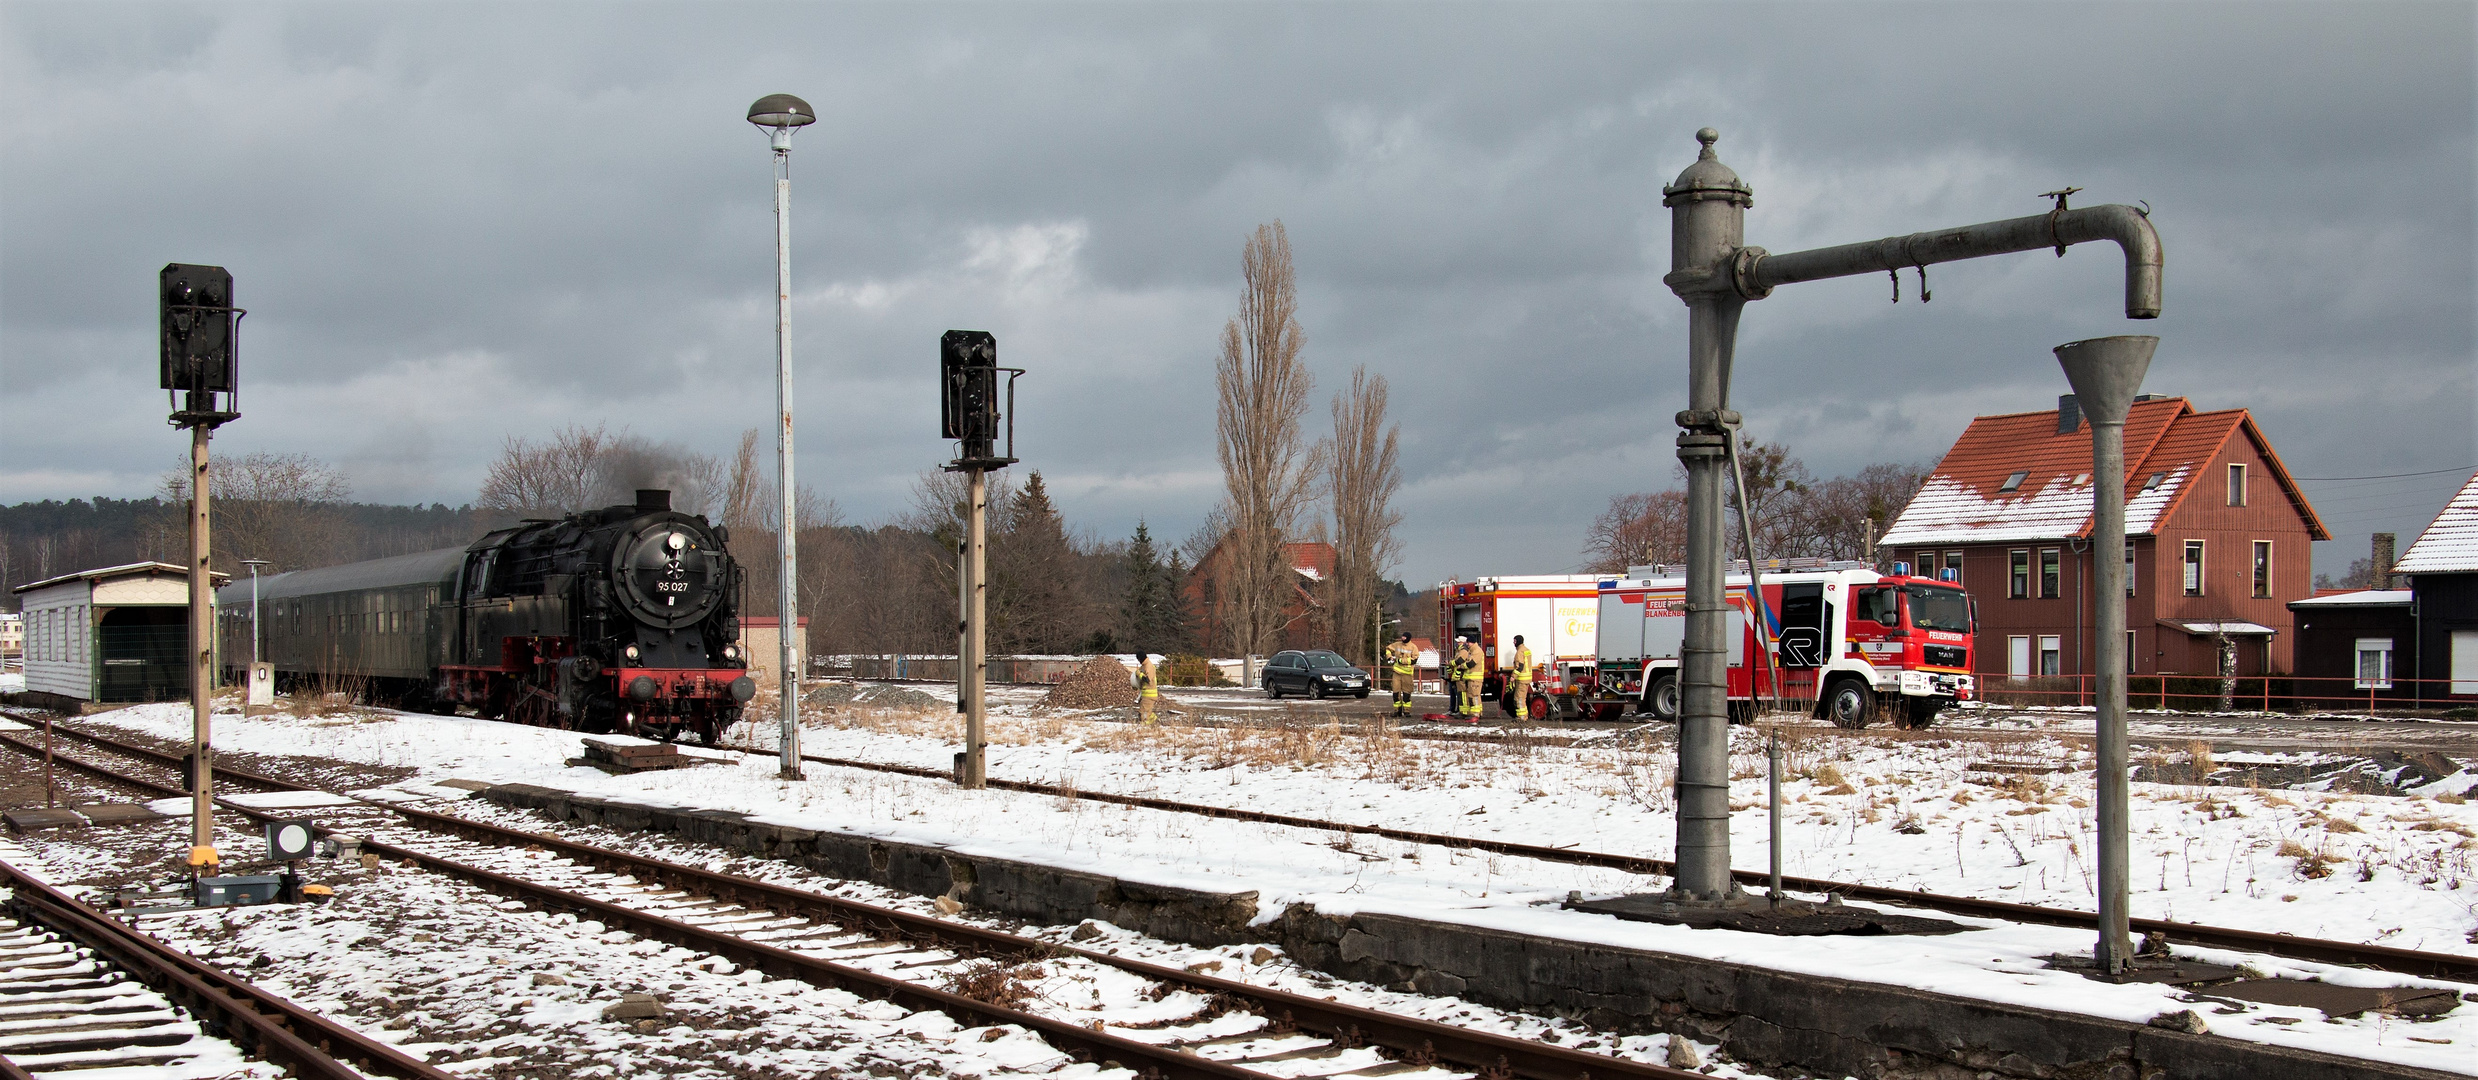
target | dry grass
x=1008, y=986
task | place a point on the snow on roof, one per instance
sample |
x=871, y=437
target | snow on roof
x=2359, y=598
x=2450, y=543
x=2207, y=626
x=2015, y=477
x=125, y=570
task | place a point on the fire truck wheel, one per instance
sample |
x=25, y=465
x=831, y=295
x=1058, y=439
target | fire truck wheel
x=1849, y=703
x=1661, y=700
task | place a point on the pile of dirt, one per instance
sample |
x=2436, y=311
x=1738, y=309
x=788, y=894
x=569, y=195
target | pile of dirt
x=1098, y=683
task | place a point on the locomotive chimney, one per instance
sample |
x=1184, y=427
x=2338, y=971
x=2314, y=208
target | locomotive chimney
x=652, y=499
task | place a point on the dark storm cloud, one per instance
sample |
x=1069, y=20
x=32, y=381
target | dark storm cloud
x=459, y=223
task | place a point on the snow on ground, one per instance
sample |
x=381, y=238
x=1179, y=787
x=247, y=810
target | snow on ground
x=12, y=681
x=1905, y=811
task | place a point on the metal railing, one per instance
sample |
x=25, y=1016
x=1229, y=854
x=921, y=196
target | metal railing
x=2175, y=692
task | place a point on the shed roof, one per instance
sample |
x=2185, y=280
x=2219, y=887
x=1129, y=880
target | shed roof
x=125, y=570
x=1964, y=498
x=2450, y=542
x=2359, y=598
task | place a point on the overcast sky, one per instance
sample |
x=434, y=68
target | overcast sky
x=453, y=224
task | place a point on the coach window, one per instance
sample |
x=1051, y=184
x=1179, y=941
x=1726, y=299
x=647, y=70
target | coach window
x=2051, y=574
x=2019, y=584
x=2262, y=568
x=2194, y=568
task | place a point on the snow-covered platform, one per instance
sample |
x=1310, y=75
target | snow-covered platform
x=1726, y=987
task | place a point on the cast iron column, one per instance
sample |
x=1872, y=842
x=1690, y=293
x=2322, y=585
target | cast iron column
x=2105, y=373
x=1707, y=215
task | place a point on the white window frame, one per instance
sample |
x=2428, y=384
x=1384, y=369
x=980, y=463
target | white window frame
x=2018, y=585
x=2133, y=654
x=2051, y=655
x=2051, y=573
x=2018, y=658
x=2260, y=569
x=2236, y=484
x=2191, y=566
x=2379, y=648
x=1953, y=562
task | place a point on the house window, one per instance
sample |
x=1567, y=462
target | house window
x=2262, y=568
x=2019, y=585
x=2014, y=482
x=2237, y=485
x=1953, y=562
x=2374, y=663
x=2155, y=480
x=2051, y=574
x=2129, y=568
x=2018, y=657
x=2194, y=568
x=2051, y=657
x=2133, y=656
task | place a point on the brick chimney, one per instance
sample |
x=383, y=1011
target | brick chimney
x=2385, y=554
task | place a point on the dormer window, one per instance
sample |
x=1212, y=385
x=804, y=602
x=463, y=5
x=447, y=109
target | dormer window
x=2014, y=482
x=2155, y=481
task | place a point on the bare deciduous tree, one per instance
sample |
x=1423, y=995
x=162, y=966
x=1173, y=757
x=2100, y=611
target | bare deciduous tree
x=579, y=468
x=1268, y=472
x=1363, y=475
x=284, y=508
x=1638, y=530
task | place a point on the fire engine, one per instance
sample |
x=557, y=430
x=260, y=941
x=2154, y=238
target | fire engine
x=1840, y=635
x=1556, y=615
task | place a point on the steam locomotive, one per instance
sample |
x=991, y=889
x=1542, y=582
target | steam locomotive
x=619, y=619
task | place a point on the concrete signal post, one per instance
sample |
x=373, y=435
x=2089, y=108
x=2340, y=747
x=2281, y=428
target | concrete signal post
x=1716, y=274
x=969, y=413
x=783, y=114
x=200, y=368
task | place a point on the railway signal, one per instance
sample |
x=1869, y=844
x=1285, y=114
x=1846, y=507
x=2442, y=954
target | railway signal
x=199, y=333
x=968, y=412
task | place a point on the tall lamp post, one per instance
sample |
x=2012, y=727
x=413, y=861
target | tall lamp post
x=781, y=113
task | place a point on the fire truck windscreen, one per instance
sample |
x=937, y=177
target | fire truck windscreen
x=1933, y=608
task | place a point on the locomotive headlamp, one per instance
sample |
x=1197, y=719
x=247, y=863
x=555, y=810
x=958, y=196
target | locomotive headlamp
x=731, y=652
x=630, y=652
x=677, y=541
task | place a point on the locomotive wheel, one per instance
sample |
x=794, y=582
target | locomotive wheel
x=1662, y=699
x=1849, y=704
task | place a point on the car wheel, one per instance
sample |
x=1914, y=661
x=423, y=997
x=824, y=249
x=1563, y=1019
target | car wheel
x=1316, y=690
x=1362, y=694
x=1661, y=700
x=1273, y=689
x=1849, y=704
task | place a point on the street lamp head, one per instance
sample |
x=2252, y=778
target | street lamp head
x=781, y=113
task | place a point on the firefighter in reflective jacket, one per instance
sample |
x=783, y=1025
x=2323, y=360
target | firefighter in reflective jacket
x=1470, y=664
x=1148, y=688
x=1518, y=692
x=1404, y=658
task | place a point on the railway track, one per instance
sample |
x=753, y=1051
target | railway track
x=79, y=990
x=2383, y=958
x=1205, y=1027
x=2419, y=963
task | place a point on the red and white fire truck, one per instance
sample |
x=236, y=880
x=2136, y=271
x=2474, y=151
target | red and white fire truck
x=1554, y=613
x=1840, y=636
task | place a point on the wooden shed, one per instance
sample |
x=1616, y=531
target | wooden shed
x=117, y=634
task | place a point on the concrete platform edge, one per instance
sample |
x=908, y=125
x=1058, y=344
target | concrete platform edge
x=1760, y=1017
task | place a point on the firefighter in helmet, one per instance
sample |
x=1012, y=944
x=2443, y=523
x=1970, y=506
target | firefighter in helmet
x=1518, y=681
x=1470, y=666
x=1404, y=660
x=1148, y=688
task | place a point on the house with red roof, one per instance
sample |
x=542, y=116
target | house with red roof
x=1306, y=623
x=2218, y=540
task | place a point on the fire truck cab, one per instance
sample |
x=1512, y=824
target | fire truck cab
x=1840, y=635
